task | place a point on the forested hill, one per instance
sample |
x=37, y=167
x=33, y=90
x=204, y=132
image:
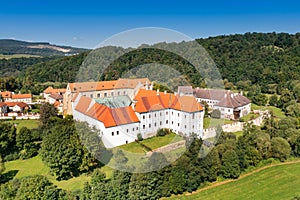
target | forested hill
x=10, y=47
x=269, y=60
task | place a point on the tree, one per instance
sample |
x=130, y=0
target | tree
x=33, y=187
x=230, y=165
x=25, y=143
x=62, y=151
x=280, y=148
x=2, y=166
x=273, y=101
x=7, y=139
x=216, y=113
x=99, y=185
x=47, y=111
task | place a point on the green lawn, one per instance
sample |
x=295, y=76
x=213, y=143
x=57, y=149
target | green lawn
x=250, y=116
x=276, y=182
x=153, y=143
x=34, y=166
x=276, y=111
x=29, y=123
x=156, y=142
x=212, y=122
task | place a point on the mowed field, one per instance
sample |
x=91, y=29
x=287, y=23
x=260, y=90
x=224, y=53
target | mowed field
x=271, y=182
x=17, y=56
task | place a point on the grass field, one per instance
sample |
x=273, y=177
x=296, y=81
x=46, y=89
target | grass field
x=29, y=123
x=274, y=182
x=276, y=111
x=34, y=166
x=17, y=56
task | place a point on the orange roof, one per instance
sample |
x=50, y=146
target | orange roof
x=12, y=104
x=83, y=104
x=6, y=94
x=56, y=104
x=108, y=116
x=106, y=85
x=21, y=96
x=148, y=100
x=50, y=90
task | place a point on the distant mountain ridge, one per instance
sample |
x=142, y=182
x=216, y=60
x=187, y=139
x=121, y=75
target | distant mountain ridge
x=10, y=47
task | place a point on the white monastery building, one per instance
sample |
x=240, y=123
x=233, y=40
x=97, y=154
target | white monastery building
x=122, y=114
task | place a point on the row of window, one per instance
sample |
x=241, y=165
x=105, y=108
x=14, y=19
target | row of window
x=127, y=130
x=106, y=94
x=160, y=114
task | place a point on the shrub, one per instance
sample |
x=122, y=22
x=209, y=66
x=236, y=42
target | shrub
x=139, y=137
x=161, y=132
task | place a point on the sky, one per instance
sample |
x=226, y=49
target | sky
x=88, y=23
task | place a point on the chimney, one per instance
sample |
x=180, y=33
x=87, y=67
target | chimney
x=241, y=92
x=151, y=86
x=157, y=92
x=165, y=92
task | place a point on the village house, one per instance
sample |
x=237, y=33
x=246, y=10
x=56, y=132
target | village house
x=17, y=107
x=231, y=105
x=120, y=119
x=51, y=94
x=12, y=97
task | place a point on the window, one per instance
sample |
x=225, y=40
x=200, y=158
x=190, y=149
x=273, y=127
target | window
x=155, y=124
x=98, y=95
x=132, y=129
x=166, y=112
x=193, y=116
x=167, y=121
x=160, y=123
x=155, y=115
x=172, y=112
x=185, y=116
x=124, y=92
x=105, y=94
x=144, y=127
x=112, y=133
x=91, y=95
x=112, y=94
x=117, y=132
x=160, y=113
x=172, y=122
x=178, y=124
x=137, y=128
x=149, y=125
x=185, y=126
x=119, y=93
x=143, y=116
x=178, y=114
x=127, y=130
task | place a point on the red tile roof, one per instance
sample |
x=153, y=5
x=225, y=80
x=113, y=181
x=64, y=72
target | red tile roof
x=148, y=100
x=21, y=96
x=6, y=94
x=108, y=116
x=106, y=85
x=50, y=90
x=20, y=104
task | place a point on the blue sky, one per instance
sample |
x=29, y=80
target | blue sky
x=87, y=23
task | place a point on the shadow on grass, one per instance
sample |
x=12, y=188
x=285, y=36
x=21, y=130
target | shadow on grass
x=8, y=176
